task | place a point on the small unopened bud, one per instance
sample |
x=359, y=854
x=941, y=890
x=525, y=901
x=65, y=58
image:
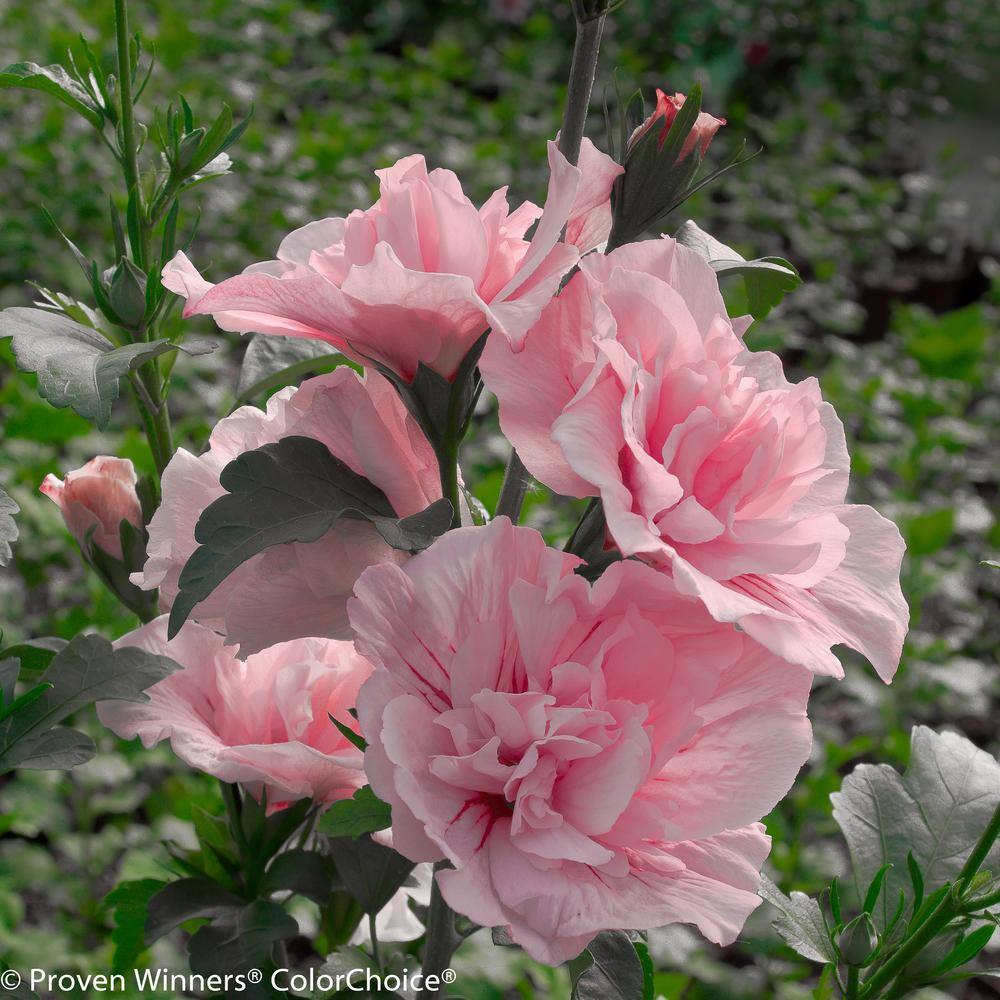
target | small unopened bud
x=858, y=941
x=127, y=293
x=188, y=146
x=95, y=499
x=659, y=122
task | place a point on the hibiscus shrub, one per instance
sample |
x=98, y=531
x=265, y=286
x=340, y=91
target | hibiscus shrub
x=428, y=723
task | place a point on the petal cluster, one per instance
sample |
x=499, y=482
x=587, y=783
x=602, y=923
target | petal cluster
x=416, y=278
x=635, y=387
x=586, y=757
x=295, y=589
x=263, y=721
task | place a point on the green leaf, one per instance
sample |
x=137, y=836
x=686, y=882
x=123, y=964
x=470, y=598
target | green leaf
x=55, y=81
x=76, y=366
x=441, y=407
x=767, y=279
x=801, y=924
x=293, y=490
x=615, y=972
x=87, y=670
x=307, y=873
x=937, y=809
x=59, y=749
x=129, y=902
x=349, y=734
x=965, y=950
x=874, y=889
x=8, y=526
x=272, y=362
x=371, y=873
x=241, y=940
x=364, y=813
x=648, y=970
x=183, y=900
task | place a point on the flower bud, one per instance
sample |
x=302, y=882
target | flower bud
x=667, y=107
x=95, y=499
x=858, y=940
x=127, y=293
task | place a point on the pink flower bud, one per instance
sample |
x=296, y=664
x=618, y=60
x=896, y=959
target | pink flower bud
x=667, y=107
x=100, y=496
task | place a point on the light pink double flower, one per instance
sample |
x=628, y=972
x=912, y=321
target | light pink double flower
x=635, y=387
x=295, y=589
x=586, y=757
x=416, y=278
x=263, y=722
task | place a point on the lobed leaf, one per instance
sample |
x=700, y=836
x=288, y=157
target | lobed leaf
x=8, y=526
x=372, y=874
x=364, y=813
x=801, y=923
x=767, y=279
x=936, y=811
x=293, y=490
x=616, y=972
x=129, y=902
x=88, y=669
x=272, y=362
x=76, y=366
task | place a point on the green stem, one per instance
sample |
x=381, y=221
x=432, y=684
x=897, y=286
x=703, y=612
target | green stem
x=983, y=846
x=130, y=150
x=447, y=453
x=589, y=28
x=909, y=948
x=982, y=903
x=448, y=464
x=442, y=939
x=851, y=992
x=155, y=418
x=373, y=934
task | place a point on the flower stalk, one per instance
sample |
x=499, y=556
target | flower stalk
x=150, y=400
x=589, y=28
x=442, y=938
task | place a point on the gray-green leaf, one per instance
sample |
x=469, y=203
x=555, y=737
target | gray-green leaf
x=8, y=526
x=293, y=490
x=801, y=924
x=76, y=366
x=89, y=669
x=373, y=874
x=272, y=362
x=615, y=973
x=937, y=809
x=53, y=80
x=767, y=279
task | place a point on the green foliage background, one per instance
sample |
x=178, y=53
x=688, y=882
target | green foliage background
x=878, y=181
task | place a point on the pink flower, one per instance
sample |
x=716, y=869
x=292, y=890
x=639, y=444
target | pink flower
x=635, y=387
x=98, y=496
x=589, y=224
x=586, y=757
x=700, y=136
x=263, y=722
x=418, y=277
x=296, y=589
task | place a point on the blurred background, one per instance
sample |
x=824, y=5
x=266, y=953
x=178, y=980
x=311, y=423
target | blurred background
x=878, y=180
